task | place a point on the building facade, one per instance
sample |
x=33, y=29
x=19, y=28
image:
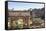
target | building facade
x=19, y=19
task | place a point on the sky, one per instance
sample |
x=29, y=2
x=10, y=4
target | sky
x=24, y=6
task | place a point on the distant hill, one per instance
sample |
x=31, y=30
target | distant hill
x=39, y=13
